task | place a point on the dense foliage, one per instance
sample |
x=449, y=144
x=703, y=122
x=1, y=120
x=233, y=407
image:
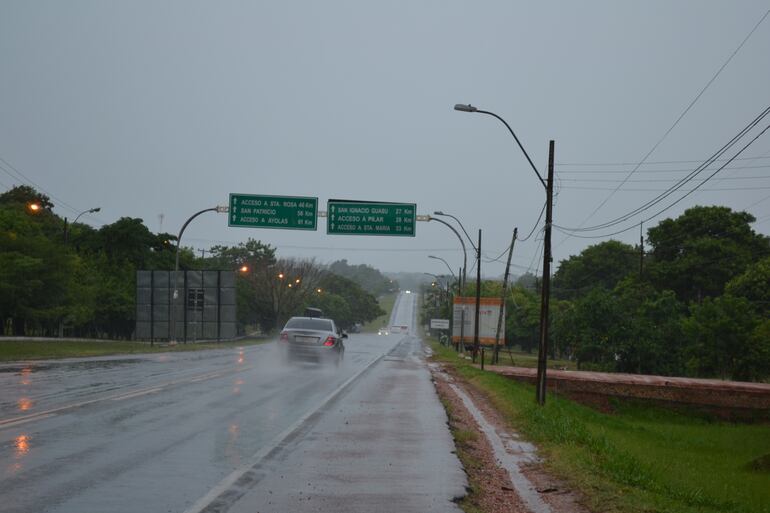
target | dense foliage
x=84, y=283
x=696, y=304
x=369, y=278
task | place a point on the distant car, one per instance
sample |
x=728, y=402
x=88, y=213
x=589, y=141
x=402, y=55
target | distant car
x=399, y=329
x=312, y=339
x=382, y=331
x=408, y=292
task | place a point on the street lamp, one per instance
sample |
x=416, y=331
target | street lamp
x=34, y=207
x=89, y=211
x=172, y=323
x=446, y=264
x=462, y=243
x=545, y=298
x=478, y=286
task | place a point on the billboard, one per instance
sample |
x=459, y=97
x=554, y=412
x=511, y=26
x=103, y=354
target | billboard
x=206, y=308
x=489, y=312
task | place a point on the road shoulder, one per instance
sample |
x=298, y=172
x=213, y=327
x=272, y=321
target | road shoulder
x=493, y=488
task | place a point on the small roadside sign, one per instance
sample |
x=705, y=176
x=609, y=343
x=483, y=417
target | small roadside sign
x=439, y=324
x=277, y=212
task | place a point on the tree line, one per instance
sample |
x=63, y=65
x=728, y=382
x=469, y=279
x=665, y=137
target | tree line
x=694, y=302
x=60, y=279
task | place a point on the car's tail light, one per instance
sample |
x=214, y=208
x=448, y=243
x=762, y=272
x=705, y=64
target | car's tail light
x=329, y=341
x=284, y=336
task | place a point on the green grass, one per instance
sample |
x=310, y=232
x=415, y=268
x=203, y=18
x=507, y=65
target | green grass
x=386, y=303
x=522, y=359
x=34, y=350
x=639, y=458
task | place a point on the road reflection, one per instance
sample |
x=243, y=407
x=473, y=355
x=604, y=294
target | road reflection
x=21, y=445
x=25, y=376
x=25, y=404
x=232, y=453
x=20, y=449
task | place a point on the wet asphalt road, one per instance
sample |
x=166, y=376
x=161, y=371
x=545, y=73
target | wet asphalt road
x=230, y=430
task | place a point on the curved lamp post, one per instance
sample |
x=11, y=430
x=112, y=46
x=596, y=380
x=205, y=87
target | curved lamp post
x=544, y=303
x=462, y=243
x=172, y=314
x=477, y=247
x=89, y=211
x=446, y=264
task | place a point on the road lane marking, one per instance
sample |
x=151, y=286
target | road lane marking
x=24, y=420
x=138, y=394
x=223, y=487
x=15, y=421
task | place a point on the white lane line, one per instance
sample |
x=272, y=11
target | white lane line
x=138, y=394
x=25, y=420
x=222, y=487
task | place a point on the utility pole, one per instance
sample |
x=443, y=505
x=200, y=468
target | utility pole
x=478, y=299
x=641, y=251
x=542, y=357
x=502, y=298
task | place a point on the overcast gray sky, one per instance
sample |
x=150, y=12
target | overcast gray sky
x=164, y=108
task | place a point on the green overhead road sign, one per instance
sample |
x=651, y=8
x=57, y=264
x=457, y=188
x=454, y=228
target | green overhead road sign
x=346, y=217
x=285, y=212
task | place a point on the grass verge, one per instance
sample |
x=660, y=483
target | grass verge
x=386, y=303
x=11, y=350
x=523, y=359
x=639, y=458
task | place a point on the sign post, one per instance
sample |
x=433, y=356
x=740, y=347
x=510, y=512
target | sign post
x=282, y=212
x=347, y=217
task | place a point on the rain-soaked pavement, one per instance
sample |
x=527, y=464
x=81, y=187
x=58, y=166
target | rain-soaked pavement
x=230, y=430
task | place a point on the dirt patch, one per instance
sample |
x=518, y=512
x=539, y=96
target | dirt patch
x=491, y=490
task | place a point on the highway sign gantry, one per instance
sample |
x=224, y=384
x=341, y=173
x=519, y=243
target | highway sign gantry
x=349, y=217
x=284, y=212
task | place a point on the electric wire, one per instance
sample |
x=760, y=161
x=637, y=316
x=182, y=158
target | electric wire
x=746, y=146
x=649, y=204
x=648, y=163
x=678, y=119
x=648, y=171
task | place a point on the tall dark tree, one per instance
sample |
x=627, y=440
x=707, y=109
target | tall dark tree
x=601, y=265
x=696, y=254
x=723, y=340
x=754, y=285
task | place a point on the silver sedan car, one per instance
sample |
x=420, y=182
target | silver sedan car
x=312, y=339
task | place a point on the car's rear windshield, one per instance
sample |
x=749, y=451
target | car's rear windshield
x=309, y=324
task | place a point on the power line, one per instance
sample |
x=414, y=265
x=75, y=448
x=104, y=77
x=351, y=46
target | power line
x=23, y=178
x=649, y=171
x=676, y=122
x=681, y=182
x=579, y=188
x=648, y=180
x=536, y=223
x=647, y=163
x=567, y=231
